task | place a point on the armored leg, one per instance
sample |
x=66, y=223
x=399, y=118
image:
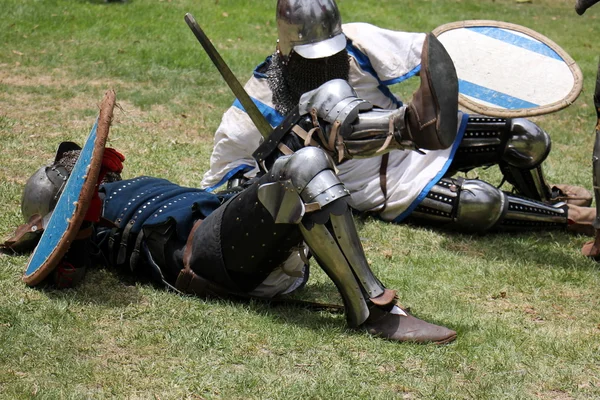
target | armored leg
x=470, y=205
x=329, y=230
x=309, y=193
x=517, y=145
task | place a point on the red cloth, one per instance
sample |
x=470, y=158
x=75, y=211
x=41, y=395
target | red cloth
x=112, y=161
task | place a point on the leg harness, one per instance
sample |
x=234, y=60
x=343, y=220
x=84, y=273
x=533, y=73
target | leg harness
x=471, y=205
x=517, y=145
x=306, y=191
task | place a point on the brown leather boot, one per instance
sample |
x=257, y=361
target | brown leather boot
x=571, y=194
x=406, y=328
x=581, y=220
x=432, y=115
x=592, y=248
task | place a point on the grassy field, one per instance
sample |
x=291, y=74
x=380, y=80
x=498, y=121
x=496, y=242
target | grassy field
x=526, y=306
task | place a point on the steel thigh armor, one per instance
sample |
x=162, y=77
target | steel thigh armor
x=471, y=205
x=517, y=145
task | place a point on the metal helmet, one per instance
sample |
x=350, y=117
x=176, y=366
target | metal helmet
x=312, y=28
x=43, y=189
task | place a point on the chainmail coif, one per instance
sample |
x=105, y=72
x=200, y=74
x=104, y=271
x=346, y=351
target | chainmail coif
x=289, y=81
x=69, y=158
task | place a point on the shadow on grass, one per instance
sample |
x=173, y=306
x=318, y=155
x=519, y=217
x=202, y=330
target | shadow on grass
x=99, y=287
x=544, y=249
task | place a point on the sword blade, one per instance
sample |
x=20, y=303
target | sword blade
x=238, y=90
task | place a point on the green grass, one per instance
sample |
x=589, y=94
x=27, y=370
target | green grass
x=526, y=306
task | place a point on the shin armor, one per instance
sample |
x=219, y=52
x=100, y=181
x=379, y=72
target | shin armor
x=475, y=206
x=517, y=145
x=306, y=191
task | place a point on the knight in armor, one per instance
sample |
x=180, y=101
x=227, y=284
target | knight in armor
x=301, y=84
x=254, y=241
x=250, y=243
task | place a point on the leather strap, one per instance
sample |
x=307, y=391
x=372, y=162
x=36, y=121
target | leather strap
x=383, y=178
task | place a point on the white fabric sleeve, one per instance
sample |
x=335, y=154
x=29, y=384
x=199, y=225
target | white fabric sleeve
x=394, y=55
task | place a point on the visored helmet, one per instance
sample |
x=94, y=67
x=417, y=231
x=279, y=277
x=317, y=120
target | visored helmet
x=312, y=28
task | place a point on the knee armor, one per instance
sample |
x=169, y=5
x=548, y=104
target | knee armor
x=476, y=206
x=527, y=146
x=308, y=175
x=517, y=145
x=517, y=142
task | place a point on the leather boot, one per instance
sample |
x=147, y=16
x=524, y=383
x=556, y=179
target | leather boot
x=406, y=328
x=26, y=237
x=432, y=116
x=581, y=220
x=592, y=248
x=571, y=194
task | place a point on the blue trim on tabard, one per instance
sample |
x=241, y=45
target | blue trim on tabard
x=365, y=64
x=261, y=75
x=516, y=40
x=273, y=117
x=493, y=97
x=228, y=175
x=65, y=207
x=404, y=77
x=440, y=175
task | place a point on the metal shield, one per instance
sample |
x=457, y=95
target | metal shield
x=74, y=201
x=507, y=70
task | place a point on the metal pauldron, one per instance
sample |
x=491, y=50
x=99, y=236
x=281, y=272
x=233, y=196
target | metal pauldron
x=330, y=96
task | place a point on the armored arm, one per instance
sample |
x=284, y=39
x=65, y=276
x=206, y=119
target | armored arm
x=351, y=127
